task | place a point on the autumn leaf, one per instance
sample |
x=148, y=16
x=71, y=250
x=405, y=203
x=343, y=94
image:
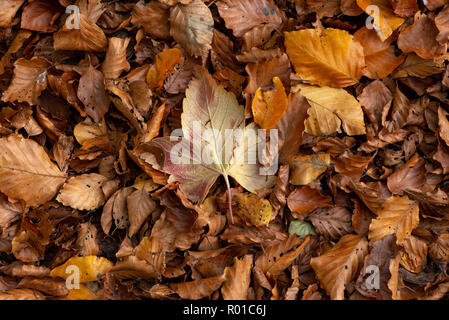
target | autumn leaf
x=257, y=210
x=40, y=15
x=115, y=61
x=339, y=265
x=237, y=279
x=206, y=102
x=26, y=171
x=269, y=106
x=83, y=192
x=300, y=228
x=305, y=199
x=30, y=79
x=325, y=57
x=9, y=10
x=191, y=25
x=90, y=267
x=242, y=16
x=305, y=169
x=330, y=109
x=164, y=65
x=332, y=222
x=399, y=216
x=92, y=93
x=384, y=21
x=153, y=17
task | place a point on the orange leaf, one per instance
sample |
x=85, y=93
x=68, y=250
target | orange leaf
x=165, y=63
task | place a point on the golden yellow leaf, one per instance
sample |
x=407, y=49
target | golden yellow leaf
x=325, y=57
x=83, y=293
x=399, y=216
x=164, y=65
x=269, y=106
x=90, y=267
x=305, y=169
x=339, y=265
x=384, y=19
x=330, y=109
x=257, y=210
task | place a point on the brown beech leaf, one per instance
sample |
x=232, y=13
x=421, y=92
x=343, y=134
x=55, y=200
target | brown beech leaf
x=49, y=286
x=399, y=216
x=269, y=106
x=325, y=57
x=191, y=26
x=330, y=109
x=339, y=265
x=115, y=62
x=30, y=78
x=83, y=192
x=40, y=15
x=332, y=222
x=26, y=171
x=380, y=56
x=305, y=199
x=280, y=255
x=241, y=16
x=415, y=66
x=411, y=175
x=237, y=279
x=420, y=38
x=87, y=239
x=375, y=100
x=22, y=294
x=414, y=256
x=92, y=93
x=439, y=250
x=89, y=37
x=291, y=126
x=140, y=206
x=384, y=21
x=198, y=289
x=9, y=10
x=153, y=17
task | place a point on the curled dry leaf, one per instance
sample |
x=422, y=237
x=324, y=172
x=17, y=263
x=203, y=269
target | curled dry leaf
x=198, y=289
x=237, y=279
x=339, y=265
x=83, y=192
x=40, y=15
x=269, y=106
x=115, y=61
x=325, y=57
x=9, y=10
x=30, y=79
x=330, y=109
x=191, y=25
x=26, y=171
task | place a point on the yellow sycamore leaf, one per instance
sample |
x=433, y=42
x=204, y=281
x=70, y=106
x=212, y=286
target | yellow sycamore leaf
x=89, y=267
x=330, y=110
x=325, y=57
x=269, y=106
x=164, y=64
x=305, y=169
x=399, y=216
x=257, y=210
x=384, y=21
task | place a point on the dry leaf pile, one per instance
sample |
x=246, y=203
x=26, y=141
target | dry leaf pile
x=91, y=91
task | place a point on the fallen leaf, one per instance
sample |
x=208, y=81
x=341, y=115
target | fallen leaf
x=305, y=169
x=26, y=171
x=89, y=267
x=325, y=57
x=399, y=216
x=237, y=279
x=257, y=210
x=164, y=65
x=330, y=109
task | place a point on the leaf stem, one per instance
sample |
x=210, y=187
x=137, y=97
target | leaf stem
x=228, y=191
